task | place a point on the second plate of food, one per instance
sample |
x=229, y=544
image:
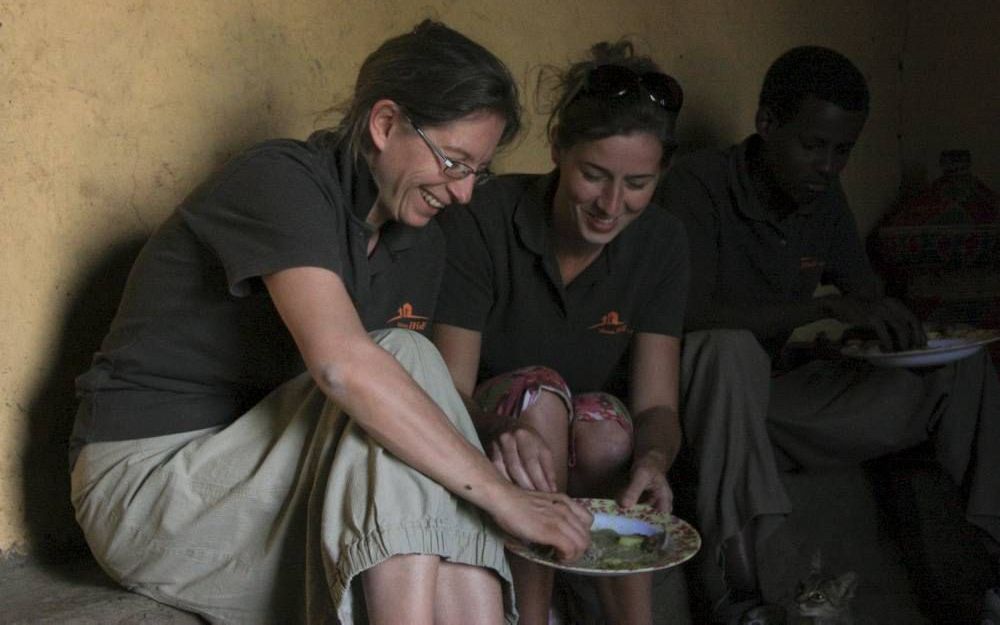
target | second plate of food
x=624, y=541
x=939, y=350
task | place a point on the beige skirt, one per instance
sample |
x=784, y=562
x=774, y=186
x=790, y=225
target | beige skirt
x=271, y=518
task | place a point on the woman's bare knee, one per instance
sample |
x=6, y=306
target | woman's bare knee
x=402, y=589
x=603, y=454
x=549, y=417
x=549, y=411
x=468, y=595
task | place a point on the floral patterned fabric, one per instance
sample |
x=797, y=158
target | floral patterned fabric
x=510, y=394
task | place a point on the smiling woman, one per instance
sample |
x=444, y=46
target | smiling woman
x=236, y=452
x=550, y=283
x=417, y=178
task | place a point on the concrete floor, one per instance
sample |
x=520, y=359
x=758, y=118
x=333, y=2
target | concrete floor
x=835, y=511
x=79, y=593
x=76, y=593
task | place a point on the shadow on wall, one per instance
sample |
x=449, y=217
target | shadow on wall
x=697, y=133
x=53, y=535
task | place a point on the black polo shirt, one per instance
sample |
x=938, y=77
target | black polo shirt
x=502, y=280
x=742, y=253
x=197, y=341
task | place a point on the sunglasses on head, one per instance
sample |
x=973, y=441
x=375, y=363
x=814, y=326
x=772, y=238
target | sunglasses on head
x=617, y=81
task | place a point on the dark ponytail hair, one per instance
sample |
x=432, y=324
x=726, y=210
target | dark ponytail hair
x=574, y=119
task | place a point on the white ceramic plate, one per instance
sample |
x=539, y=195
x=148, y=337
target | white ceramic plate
x=938, y=351
x=681, y=541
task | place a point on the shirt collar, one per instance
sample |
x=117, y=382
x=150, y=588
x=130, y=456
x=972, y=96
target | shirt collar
x=359, y=188
x=532, y=220
x=533, y=211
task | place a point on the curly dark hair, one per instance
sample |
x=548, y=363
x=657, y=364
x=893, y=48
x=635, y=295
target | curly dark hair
x=812, y=71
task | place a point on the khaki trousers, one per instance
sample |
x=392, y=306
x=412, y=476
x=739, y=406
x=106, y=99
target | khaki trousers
x=270, y=519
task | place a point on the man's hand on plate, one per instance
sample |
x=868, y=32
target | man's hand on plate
x=896, y=327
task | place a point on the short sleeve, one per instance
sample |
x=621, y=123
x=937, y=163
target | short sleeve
x=686, y=197
x=467, y=291
x=663, y=312
x=271, y=210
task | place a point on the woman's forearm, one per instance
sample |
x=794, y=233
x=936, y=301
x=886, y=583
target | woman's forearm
x=371, y=386
x=657, y=436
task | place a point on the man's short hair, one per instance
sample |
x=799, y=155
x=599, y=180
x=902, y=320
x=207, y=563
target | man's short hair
x=812, y=71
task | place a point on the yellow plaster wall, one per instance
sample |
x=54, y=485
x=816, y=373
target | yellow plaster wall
x=111, y=111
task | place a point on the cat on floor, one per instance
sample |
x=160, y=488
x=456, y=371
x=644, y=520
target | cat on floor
x=825, y=599
x=820, y=599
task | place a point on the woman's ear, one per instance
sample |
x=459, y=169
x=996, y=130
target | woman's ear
x=384, y=117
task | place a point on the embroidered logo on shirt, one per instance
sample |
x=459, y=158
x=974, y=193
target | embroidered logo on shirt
x=611, y=324
x=808, y=263
x=406, y=319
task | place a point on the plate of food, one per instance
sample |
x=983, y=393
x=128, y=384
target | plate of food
x=944, y=345
x=623, y=541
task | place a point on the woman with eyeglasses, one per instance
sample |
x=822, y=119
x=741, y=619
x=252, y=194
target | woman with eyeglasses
x=561, y=308
x=265, y=436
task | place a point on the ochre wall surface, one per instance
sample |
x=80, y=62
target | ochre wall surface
x=111, y=111
x=950, y=91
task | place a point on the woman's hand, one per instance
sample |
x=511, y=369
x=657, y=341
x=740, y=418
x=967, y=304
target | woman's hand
x=655, y=373
x=543, y=518
x=648, y=483
x=523, y=457
x=518, y=451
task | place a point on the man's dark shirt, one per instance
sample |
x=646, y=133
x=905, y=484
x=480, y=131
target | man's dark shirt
x=742, y=254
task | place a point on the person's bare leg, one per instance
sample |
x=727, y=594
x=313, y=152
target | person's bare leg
x=549, y=417
x=532, y=582
x=532, y=590
x=603, y=454
x=468, y=595
x=402, y=590
x=627, y=600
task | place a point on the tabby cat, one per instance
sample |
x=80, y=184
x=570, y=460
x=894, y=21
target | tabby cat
x=820, y=599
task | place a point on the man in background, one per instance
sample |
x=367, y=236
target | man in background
x=768, y=222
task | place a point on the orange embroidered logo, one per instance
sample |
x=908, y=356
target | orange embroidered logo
x=611, y=324
x=406, y=319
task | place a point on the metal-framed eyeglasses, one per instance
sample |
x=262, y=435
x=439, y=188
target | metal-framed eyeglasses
x=456, y=170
